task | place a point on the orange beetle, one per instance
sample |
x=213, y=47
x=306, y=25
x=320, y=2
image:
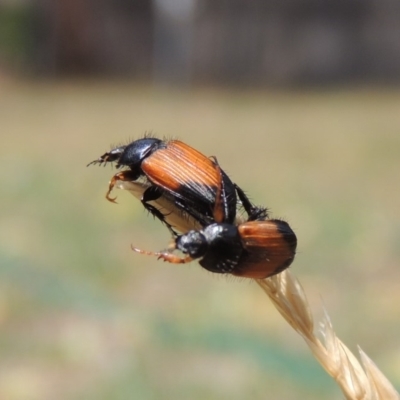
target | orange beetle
x=253, y=249
x=193, y=183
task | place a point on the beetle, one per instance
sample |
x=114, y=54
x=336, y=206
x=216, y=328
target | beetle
x=252, y=249
x=192, y=182
x=173, y=216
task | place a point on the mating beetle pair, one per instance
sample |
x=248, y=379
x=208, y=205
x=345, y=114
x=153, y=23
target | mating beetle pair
x=192, y=187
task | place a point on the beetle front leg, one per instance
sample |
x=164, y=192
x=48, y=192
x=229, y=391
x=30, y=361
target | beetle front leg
x=151, y=194
x=165, y=256
x=121, y=176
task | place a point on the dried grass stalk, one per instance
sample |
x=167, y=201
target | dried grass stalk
x=288, y=296
x=356, y=382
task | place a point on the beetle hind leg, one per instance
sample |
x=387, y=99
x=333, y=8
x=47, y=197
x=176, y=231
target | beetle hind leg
x=220, y=210
x=255, y=213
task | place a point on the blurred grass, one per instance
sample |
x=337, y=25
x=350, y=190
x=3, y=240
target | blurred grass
x=82, y=317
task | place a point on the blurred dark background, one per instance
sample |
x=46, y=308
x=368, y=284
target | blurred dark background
x=212, y=41
x=299, y=100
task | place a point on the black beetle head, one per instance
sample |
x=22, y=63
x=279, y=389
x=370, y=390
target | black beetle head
x=135, y=152
x=130, y=155
x=193, y=243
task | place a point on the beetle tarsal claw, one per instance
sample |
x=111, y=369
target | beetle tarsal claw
x=111, y=199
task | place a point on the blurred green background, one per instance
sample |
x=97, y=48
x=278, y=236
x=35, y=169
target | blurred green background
x=83, y=317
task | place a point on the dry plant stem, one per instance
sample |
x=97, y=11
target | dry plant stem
x=288, y=296
x=356, y=382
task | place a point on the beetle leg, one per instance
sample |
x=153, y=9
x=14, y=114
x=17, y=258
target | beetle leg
x=174, y=259
x=121, y=176
x=165, y=256
x=220, y=208
x=255, y=213
x=111, y=185
x=154, y=193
